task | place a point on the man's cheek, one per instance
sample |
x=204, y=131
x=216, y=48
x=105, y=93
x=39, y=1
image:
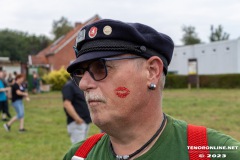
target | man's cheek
x=122, y=92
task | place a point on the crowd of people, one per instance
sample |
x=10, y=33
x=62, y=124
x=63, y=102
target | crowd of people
x=13, y=87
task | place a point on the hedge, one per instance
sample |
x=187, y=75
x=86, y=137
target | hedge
x=205, y=81
x=58, y=78
x=174, y=81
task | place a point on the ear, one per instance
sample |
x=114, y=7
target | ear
x=155, y=70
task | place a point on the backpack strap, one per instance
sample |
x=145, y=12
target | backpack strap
x=197, y=136
x=86, y=147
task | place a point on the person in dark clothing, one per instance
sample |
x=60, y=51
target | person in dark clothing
x=75, y=107
x=36, y=83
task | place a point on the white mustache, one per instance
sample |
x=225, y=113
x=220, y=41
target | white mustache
x=94, y=97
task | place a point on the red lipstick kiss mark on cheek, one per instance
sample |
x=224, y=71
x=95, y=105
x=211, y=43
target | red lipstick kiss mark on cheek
x=122, y=92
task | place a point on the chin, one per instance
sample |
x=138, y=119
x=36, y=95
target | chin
x=100, y=124
x=98, y=121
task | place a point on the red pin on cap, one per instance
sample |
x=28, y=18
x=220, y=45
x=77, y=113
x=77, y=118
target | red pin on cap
x=92, y=32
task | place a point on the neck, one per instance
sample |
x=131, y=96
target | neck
x=135, y=136
x=145, y=147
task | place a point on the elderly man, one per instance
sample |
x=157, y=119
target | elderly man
x=121, y=68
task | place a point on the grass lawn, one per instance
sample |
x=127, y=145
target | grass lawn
x=47, y=139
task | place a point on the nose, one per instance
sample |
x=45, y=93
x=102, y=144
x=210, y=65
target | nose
x=87, y=82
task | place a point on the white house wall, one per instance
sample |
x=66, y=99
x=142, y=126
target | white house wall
x=11, y=69
x=214, y=58
x=238, y=55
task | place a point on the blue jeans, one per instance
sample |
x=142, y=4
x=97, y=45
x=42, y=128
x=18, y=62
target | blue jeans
x=19, y=108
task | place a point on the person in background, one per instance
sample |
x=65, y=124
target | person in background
x=10, y=79
x=18, y=93
x=36, y=83
x=4, y=90
x=75, y=107
x=5, y=110
x=15, y=74
x=5, y=77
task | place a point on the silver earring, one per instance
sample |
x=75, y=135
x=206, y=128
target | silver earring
x=152, y=86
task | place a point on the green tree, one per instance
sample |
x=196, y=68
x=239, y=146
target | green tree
x=37, y=43
x=61, y=27
x=190, y=36
x=218, y=34
x=18, y=45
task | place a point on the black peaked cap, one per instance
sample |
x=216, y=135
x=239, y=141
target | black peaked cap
x=108, y=37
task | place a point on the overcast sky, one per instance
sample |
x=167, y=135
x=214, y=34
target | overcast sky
x=167, y=16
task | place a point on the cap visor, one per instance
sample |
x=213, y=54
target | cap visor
x=92, y=56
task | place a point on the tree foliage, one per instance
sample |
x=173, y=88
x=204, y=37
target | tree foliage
x=61, y=27
x=18, y=45
x=190, y=36
x=218, y=34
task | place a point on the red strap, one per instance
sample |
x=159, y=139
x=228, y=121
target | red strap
x=86, y=147
x=197, y=136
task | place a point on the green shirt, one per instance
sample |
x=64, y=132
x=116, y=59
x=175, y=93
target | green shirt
x=171, y=145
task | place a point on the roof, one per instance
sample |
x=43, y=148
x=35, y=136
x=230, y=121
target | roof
x=41, y=57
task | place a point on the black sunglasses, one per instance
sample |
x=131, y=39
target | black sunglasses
x=97, y=69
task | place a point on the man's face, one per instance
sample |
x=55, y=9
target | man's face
x=121, y=94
